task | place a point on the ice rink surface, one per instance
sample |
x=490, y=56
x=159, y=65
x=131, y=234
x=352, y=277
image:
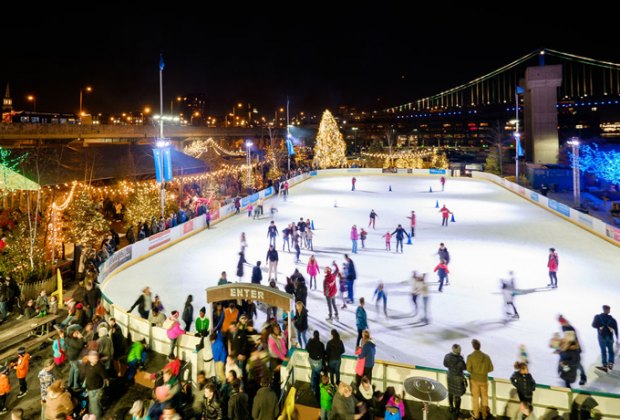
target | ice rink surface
x=494, y=231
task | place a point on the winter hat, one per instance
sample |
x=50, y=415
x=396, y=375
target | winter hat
x=21, y=350
x=102, y=331
x=174, y=314
x=79, y=306
x=562, y=320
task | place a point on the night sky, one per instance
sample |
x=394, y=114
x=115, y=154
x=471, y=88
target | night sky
x=367, y=57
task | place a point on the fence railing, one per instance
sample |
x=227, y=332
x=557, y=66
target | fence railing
x=139, y=328
x=503, y=399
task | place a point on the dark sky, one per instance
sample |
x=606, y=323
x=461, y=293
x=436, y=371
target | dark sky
x=316, y=55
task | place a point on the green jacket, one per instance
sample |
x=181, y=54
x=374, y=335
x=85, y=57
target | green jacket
x=135, y=352
x=202, y=324
x=327, y=396
x=479, y=365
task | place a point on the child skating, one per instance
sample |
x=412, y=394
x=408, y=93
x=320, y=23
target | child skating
x=380, y=294
x=388, y=239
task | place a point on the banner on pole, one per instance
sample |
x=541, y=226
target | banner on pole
x=157, y=158
x=167, y=162
x=289, y=146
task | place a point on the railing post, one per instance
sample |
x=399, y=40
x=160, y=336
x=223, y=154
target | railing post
x=494, y=394
x=384, y=379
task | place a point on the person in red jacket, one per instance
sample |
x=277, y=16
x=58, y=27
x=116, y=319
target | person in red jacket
x=330, y=289
x=442, y=271
x=353, y=181
x=552, y=264
x=445, y=213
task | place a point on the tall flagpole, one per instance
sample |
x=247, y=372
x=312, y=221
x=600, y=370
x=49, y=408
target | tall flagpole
x=288, y=137
x=517, y=136
x=161, y=128
x=161, y=96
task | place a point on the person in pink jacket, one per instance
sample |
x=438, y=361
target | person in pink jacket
x=313, y=269
x=330, y=289
x=173, y=329
x=553, y=263
x=354, y=238
x=388, y=239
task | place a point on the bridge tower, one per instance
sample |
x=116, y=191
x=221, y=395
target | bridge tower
x=541, y=114
x=7, y=102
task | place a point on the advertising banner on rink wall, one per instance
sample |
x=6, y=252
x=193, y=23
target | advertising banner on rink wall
x=592, y=224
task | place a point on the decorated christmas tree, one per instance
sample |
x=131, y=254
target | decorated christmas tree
x=330, y=149
x=85, y=224
x=145, y=203
x=439, y=160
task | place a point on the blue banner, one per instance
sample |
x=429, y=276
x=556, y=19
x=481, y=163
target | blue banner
x=534, y=196
x=437, y=171
x=254, y=198
x=559, y=207
x=267, y=192
x=289, y=147
x=167, y=158
x=313, y=173
x=245, y=201
x=158, y=164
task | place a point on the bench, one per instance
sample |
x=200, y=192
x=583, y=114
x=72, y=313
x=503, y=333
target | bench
x=30, y=345
x=15, y=333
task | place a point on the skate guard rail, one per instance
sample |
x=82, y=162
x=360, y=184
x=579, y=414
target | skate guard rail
x=593, y=225
x=139, y=328
x=503, y=399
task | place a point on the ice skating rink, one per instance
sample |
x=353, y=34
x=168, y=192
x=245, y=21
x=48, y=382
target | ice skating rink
x=494, y=231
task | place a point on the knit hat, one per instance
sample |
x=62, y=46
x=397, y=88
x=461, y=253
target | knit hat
x=21, y=350
x=562, y=320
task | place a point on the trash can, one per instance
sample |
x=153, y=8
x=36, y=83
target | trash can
x=544, y=190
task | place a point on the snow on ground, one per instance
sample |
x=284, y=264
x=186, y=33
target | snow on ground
x=494, y=231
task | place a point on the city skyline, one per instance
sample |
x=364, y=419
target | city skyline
x=371, y=59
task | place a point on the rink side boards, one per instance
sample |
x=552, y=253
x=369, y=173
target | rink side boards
x=156, y=337
x=503, y=399
x=593, y=225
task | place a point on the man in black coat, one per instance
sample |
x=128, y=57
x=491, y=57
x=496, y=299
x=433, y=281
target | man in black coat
x=257, y=274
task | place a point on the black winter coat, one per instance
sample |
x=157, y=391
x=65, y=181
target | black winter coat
x=456, y=378
x=525, y=384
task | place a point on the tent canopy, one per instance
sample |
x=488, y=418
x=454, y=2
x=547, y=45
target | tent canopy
x=11, y=180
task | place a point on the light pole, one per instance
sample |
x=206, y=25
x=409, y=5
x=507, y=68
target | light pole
x=517, y=149
x=574, y=143
x=87, y=89
x=33, y=99
x=248, y=145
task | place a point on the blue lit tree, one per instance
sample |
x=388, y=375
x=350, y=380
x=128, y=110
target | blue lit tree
x=604, y=165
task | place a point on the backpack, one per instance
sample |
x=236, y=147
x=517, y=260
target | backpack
x=605, y=329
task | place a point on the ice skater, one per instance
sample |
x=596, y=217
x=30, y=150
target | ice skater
x=372, y=218
x=508, y=292
x=354, y=238
x=412, y=223
x=342, y=283
x=312, y=269
x=272, y=261
x=363, y=236
x=444, y=254
x=353, y=181
x=420, y=288
x=400, y=235
x=442, y=272
x=380, y=294
x=272, y=232
x=606, y=327
x=552, y=263
x=443, y=182
x=286, y=232
x=388, y=240
x=445, y=214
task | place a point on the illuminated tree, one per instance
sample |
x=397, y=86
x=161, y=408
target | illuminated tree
x=85, y=224
x=330, y=148
x=145, y=203
x=272, y=158
x=24, y=260
x=439, y=160
x=604, y=165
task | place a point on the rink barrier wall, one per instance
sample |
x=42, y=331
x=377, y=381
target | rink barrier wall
x=592, y=224
x=156, y=337
x=503, y=398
